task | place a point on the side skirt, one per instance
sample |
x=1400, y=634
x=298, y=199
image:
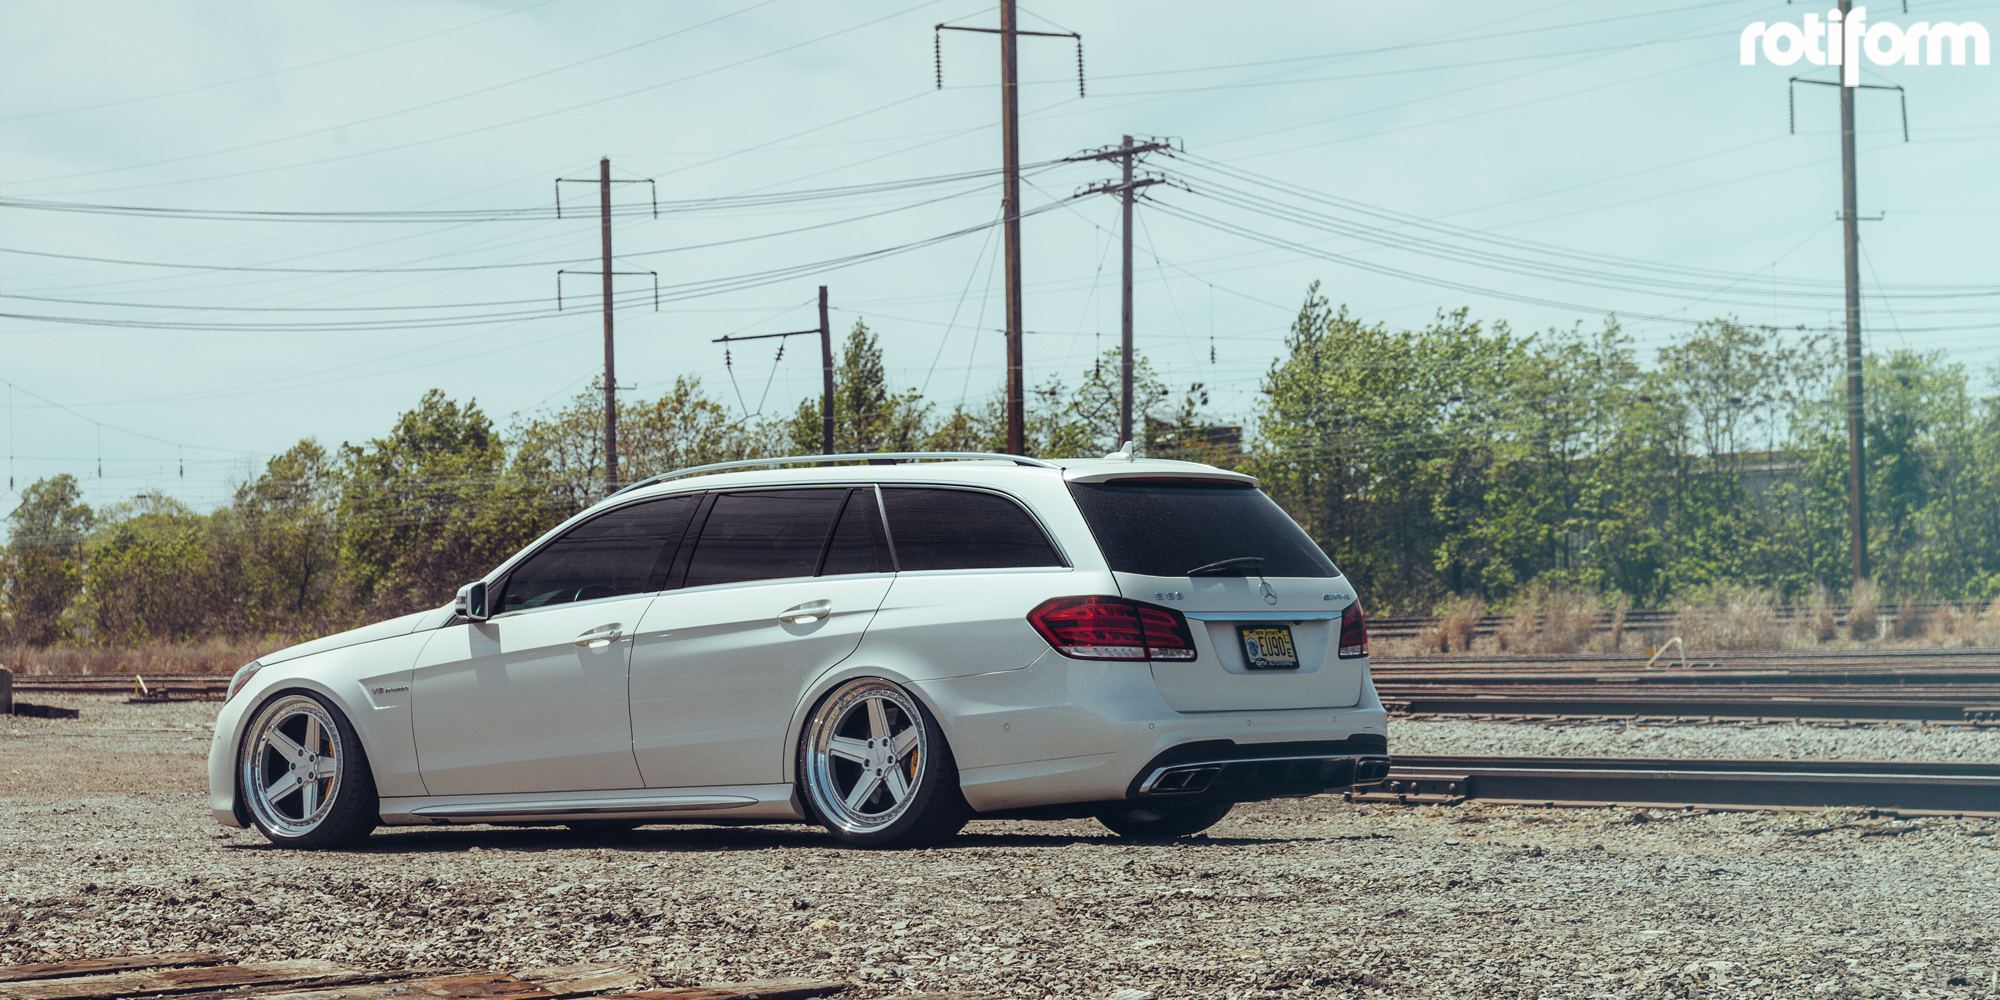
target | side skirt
x=735, y=803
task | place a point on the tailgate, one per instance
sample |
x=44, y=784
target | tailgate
x=1222, y=677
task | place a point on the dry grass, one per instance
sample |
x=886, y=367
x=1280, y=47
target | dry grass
x=1864, y=615
x=1616, y=641
x=1820, y=625
x=214, y=656
x=1730, y=618
x=1963, y=625
x=1912, y=621
x=1555, y=621
x=1457, y=625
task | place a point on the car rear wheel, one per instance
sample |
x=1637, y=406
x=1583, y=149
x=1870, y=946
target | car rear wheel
x=876, y=770
x=1151, y=821
x=304, y=776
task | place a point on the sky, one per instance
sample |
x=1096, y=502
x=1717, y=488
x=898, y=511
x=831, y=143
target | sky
x=317, y=212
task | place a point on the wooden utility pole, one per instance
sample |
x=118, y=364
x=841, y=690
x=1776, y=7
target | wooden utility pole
x=825, y=331
x=1848, y=79
x=1010, y=202
x=1857, y=449
x=610, y=367
x=1127, y=190
x=1125, y=300
x=826, y=377
x=1010, y=199
x=604, y=183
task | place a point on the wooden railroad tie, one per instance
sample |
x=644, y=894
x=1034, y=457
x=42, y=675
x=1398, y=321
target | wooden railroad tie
x=204, y=976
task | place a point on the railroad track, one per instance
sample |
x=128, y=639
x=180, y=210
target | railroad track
x=1638, y=621
x=1904, y=788
x=1929, y=685
x=163, y=687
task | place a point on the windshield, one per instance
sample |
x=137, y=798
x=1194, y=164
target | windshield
x=1169, y=527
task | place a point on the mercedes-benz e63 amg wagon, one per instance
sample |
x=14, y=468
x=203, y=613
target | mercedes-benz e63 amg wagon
x=887, y=649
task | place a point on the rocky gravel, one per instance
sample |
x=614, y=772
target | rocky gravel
x=1769, y=741
x=1298, y=898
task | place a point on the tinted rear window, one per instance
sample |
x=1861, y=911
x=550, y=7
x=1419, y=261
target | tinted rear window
x=1168, y=528
x=962, y=529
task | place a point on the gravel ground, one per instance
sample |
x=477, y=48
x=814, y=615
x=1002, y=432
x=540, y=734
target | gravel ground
x=1300, y=898
x=1778, y=741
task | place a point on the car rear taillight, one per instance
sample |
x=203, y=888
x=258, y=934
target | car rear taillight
x=1353, y=632
x=1112, y=628
x=1167, y=635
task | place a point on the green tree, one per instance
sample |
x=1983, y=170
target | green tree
x=43, y=571
x=152, y=576
x=433, y=505
x=283, y=531
x=868, y=416
x=51, y=517
x=564, y=450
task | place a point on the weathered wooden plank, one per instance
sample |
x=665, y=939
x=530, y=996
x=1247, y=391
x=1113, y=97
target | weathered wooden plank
x=677, y=993
x=462, y=986
x=585, y=979
x=757, y=989
x=162, y=982
x=332, y=987
x=93, y=966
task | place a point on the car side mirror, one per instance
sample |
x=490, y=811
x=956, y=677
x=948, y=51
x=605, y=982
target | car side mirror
x=471, y=602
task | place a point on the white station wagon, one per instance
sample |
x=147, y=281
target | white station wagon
x=889, y=649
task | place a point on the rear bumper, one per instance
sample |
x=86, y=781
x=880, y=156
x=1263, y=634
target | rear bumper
x=1082, y=734
x=1204, y=772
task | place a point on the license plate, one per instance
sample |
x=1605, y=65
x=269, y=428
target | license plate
x=1269, y=647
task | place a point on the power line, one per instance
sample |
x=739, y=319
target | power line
x=472, y=131
x=276, y=72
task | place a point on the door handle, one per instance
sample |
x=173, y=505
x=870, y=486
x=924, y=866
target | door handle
x=807, y=613
x=599, y=637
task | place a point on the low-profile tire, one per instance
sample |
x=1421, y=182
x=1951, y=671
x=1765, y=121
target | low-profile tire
x=875, y=769
x=1156, y=821
x=304, y=775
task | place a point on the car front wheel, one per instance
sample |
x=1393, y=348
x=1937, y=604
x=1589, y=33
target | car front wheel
x=1159, y=822
x=304, y=776
x=876, y=770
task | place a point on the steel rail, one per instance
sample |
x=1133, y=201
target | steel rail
x=1954, y=788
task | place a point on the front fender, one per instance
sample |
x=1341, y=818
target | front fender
x=369, y=683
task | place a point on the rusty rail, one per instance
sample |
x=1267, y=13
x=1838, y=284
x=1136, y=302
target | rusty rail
x=1954, y=788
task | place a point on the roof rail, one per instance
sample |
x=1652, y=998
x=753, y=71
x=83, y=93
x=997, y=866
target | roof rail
x=873, y=457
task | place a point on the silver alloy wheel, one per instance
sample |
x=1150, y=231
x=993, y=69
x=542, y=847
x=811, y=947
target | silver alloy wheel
x=291, y=766
x=865, y=755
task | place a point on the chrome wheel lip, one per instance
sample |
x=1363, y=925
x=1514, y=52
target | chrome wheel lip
x=887, y=762
x=291, y=785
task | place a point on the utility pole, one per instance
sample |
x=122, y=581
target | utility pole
x=610, y=365
x=826, y=377
x=1010, y=197
x=825, y=365
x=1125, y=300
x=604, y=183
x=1849, y=80
x=1127, y=191
x=1857, y=449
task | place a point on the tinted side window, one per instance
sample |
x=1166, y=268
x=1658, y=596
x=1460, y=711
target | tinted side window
x=764, y=535
x=858, y=544
x=962, y=529
x=623, y=551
